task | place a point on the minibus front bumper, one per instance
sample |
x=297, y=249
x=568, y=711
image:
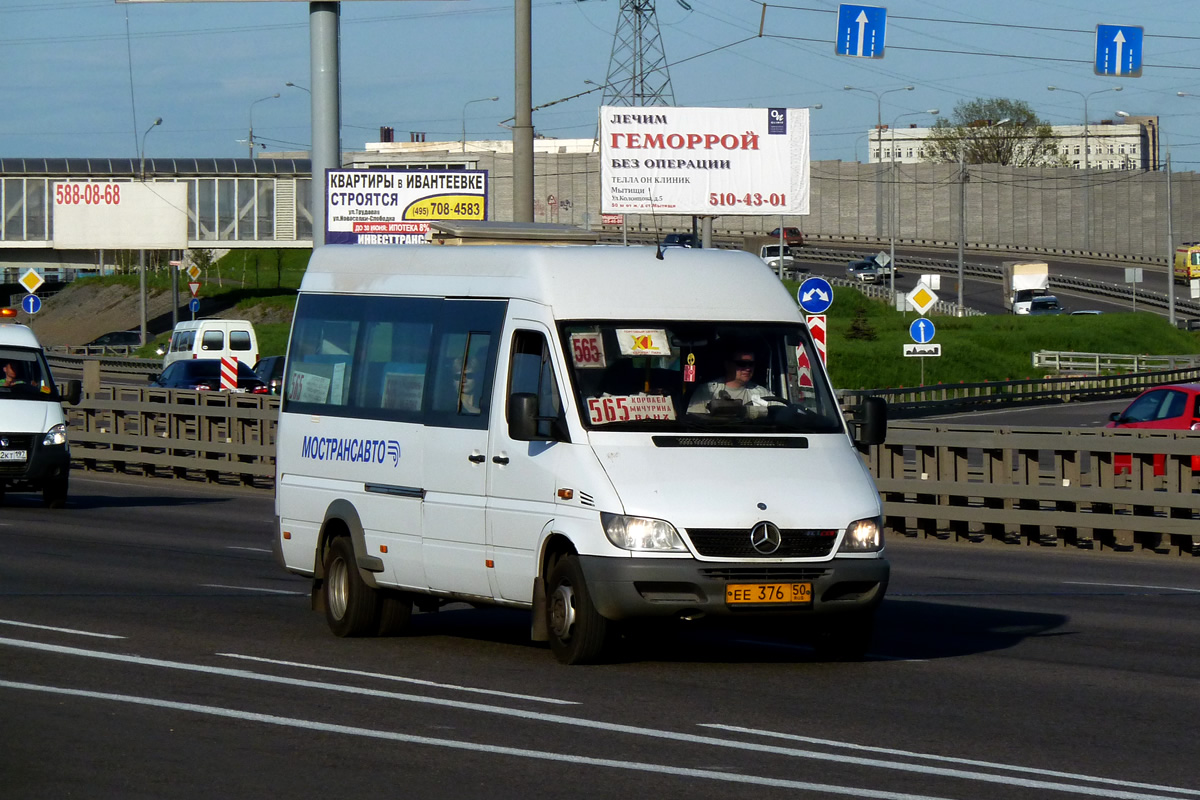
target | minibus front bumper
x=627, y=588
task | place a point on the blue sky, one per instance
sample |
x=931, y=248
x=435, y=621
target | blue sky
x=88, y=77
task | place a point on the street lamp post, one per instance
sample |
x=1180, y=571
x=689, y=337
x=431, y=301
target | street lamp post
x=1170, y=226
x=298, y=86
x=878, y=145
x=464, y=117
x=142, y=155
x=893, y=206
x=1087, y=146
x=142, y=253
x=250, y=139
x=962, y=209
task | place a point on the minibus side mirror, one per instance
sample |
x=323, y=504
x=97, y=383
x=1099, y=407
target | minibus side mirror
x=74, y=392
x=522, y=417
x=872, y=422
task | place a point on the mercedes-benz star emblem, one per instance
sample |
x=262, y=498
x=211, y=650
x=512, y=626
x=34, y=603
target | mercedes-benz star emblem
x=765, y=538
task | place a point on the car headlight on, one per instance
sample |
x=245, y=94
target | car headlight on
x=641, y=533
x=56, y=435
x=863, y=536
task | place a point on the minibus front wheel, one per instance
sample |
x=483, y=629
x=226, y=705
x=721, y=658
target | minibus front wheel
x=351, y=607
x=577, y=631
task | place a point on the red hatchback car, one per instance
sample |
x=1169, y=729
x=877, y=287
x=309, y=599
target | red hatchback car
x=1175, y=407
x=792, y=237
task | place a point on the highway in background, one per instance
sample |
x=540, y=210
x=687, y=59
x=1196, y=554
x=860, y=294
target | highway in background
x=150, y=647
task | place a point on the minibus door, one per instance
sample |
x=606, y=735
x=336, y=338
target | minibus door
x=521, y=474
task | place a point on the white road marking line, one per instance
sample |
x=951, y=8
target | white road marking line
x=1134, y=586
x=59, y=630
x=400, y=679
x=252, y=589
x=541, y=755
x=538, y=716
x=950, y=759
x=250, y=549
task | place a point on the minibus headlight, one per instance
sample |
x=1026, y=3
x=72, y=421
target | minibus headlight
x=56, y=435
x=641, y=533
x=863, y=536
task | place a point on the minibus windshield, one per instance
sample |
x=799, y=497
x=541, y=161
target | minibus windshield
x=24, y=375
x=671, y=376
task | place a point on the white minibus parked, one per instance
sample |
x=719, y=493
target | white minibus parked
x=598, y=434
x=212, y=338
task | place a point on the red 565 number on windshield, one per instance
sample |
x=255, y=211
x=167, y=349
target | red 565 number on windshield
x=748, y=200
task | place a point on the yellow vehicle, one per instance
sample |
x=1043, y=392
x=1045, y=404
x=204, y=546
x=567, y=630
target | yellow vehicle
x=1187, y=262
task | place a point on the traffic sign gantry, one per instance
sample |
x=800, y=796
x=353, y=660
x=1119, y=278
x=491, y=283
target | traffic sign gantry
x=1119, y=51
x=860, y=31
x=815, y=295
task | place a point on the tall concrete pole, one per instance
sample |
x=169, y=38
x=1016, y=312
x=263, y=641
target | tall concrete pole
x=522, y=201
x=323, y=26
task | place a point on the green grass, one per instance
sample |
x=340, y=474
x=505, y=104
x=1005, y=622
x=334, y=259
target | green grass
x=974, y=349
x=991, y=348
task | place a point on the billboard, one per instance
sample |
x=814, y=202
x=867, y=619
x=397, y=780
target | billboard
x=125, y=215
x=393, y=206
x=704, y=161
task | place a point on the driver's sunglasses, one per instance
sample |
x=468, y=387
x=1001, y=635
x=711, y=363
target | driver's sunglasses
x=744, y=364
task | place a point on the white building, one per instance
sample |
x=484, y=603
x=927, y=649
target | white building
x=1129, y=143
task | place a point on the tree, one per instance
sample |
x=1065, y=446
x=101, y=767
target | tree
x=1022, y=140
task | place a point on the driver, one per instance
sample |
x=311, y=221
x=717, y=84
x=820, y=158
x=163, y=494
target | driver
x=10, y=376
x=737, y=384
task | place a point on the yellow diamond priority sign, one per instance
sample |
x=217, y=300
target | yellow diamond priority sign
x=193, y=272
x=31, y=280
x=922, y=298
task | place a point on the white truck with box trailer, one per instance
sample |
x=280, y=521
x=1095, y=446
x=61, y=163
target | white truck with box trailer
x=1023, y=281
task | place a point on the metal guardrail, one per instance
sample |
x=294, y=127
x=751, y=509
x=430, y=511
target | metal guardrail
x=1097, y=363
x=949, y=398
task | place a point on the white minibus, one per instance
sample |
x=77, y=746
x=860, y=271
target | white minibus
x=598, y=434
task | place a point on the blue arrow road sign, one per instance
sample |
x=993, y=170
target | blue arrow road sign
x=921, y=330
x=815, y=295
x=31, y=304
x=1119, y=50
x=194, y=305
x=860, y=31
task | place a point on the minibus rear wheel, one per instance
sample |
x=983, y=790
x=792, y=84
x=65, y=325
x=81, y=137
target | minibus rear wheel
x=577, y=631
x=351, y=607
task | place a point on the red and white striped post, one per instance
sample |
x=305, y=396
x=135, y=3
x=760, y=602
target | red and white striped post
x=229, y=371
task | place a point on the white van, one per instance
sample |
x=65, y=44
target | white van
x=34, y=454
x=213, y=338
x=527, y=426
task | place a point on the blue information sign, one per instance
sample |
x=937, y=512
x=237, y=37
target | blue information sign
x=31, y=304
x=1119, y=50
x=921, y=330
x=815, y=295
x=860, y=31
x=194, y=305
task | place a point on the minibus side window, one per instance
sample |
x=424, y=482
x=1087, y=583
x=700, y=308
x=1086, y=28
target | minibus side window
x=531, y=372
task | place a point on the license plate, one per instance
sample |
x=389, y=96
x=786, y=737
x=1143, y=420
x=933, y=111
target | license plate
x=13, y=455
x=755, y=593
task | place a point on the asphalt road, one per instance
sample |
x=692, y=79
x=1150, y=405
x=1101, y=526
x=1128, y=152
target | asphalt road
x=150, y=648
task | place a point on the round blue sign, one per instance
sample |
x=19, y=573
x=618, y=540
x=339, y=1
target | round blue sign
x=31, y=304
x=194, y=305
x=921, y=330
x=815, y=295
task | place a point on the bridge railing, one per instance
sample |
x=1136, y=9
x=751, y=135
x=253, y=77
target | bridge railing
x=1118, y=489
x=1097, y=363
